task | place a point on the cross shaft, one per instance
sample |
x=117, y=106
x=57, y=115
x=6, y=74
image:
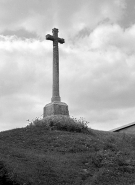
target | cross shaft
x=56, y=40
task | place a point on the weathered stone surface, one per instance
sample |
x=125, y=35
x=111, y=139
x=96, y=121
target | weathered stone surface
x=56, y=40
x=56, y=108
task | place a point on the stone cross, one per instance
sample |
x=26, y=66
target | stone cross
x=56, y=107
x=56, y=40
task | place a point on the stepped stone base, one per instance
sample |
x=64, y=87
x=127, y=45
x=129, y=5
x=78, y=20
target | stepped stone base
x=55, y=108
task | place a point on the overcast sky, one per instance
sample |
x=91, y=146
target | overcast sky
x=97, y=61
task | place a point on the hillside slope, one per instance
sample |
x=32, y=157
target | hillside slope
x=36, y=156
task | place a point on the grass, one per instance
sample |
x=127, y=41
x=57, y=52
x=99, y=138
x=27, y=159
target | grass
x=49, y=152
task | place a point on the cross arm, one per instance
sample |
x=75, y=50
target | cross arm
x=49, y=37
x=61, y=41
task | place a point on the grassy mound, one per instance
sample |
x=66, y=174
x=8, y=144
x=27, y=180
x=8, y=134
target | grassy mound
x=51, y=153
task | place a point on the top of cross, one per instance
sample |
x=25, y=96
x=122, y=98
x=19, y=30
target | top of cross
x=55, y=37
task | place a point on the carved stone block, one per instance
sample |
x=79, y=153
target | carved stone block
x=55, y=108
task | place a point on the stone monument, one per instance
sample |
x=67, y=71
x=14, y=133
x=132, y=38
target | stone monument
x=56, y=107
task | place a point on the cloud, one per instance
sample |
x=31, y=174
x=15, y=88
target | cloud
x=128, y=18
x=103, y=69
x=38, y=17
x=25, y=79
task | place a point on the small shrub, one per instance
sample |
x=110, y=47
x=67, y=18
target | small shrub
x=97, y=160
x=110, y=144
x=59, y=122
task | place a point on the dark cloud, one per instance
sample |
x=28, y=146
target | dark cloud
x=129, y=15
x=20, y=33
x=38, y=17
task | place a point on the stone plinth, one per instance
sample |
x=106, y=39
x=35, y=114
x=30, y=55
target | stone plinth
x=55, y=108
